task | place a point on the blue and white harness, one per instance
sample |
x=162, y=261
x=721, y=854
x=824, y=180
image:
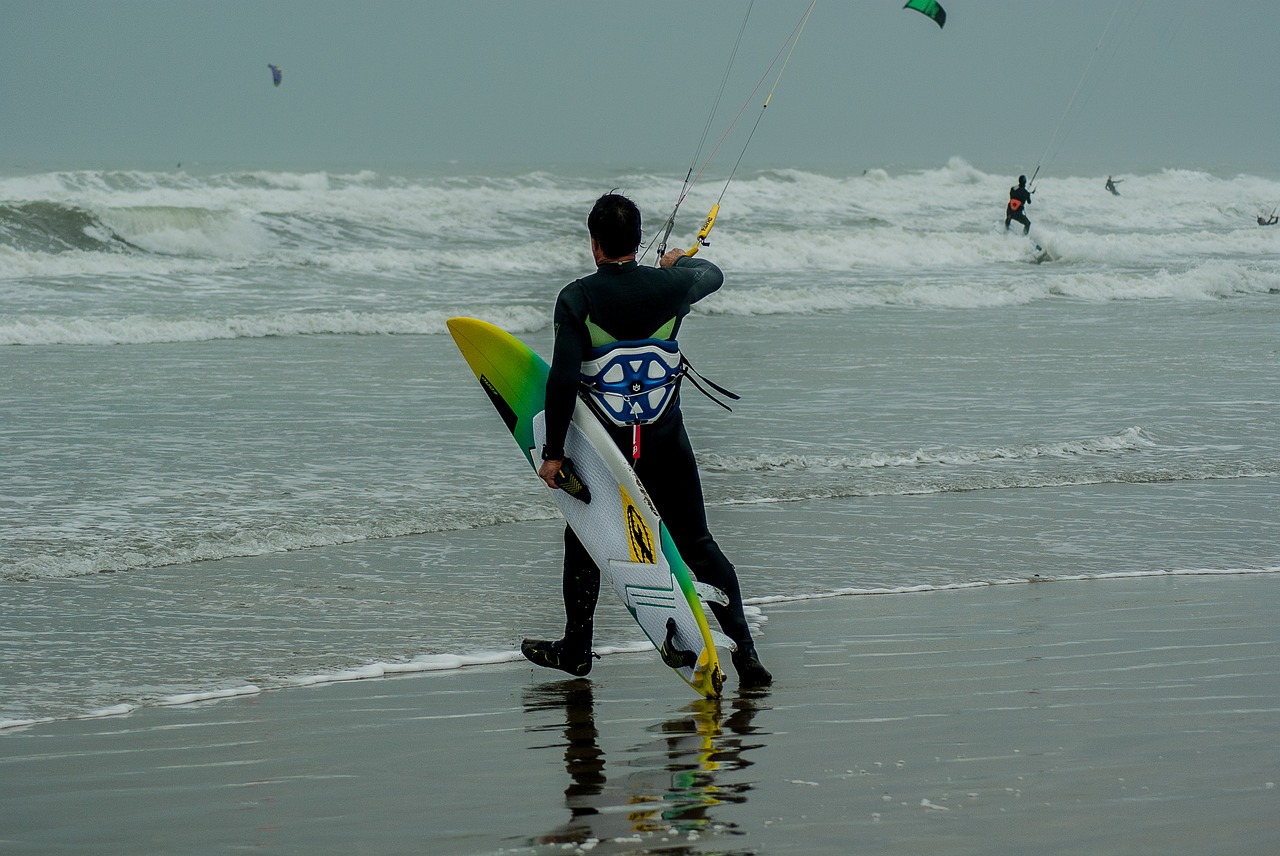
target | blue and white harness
x=634, y=383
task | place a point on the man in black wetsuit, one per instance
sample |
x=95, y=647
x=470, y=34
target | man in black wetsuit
x=623, y=302
x=1019, y=199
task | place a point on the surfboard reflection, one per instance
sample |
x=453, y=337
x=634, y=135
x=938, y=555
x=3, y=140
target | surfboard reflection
x=672, y=782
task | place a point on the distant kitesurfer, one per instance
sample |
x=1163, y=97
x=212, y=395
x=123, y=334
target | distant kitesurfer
x=1019, y=199
x=1270, y=221
x=622, y=305
x=1111, y=185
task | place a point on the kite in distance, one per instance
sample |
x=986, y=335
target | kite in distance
x=929, y=8
x=275, y=73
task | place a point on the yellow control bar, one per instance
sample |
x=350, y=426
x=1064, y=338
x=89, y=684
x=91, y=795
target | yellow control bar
x=701, y=239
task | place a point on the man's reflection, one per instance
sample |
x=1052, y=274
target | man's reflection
x=671, y=782
x=583, y=758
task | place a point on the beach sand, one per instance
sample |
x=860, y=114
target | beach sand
x=1107, y=716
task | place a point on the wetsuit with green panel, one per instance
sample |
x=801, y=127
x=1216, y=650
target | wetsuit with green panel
x=624, y=302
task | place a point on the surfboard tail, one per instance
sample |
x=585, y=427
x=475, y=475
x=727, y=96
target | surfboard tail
x=707, y=677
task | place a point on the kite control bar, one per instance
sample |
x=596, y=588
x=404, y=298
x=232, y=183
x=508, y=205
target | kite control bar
x=701, y=239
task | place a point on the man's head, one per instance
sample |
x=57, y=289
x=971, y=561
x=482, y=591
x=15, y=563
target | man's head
x=1022, y=180
x=614, y=224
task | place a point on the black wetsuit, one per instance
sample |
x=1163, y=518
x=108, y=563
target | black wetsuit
x=1019, y=195
x=627, y=302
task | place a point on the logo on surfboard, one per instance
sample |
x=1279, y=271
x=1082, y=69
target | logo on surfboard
x=508, y=415
x=639, y=537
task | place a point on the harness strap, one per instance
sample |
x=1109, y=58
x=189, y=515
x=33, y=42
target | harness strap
x=687, y=370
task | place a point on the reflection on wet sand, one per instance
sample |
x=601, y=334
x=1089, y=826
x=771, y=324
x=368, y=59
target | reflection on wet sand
x=669, y=784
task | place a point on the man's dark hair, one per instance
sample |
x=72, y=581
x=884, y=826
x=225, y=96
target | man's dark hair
x=614, y=222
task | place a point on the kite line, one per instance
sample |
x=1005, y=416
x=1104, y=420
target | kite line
x=691, y=179
x=1134, y=13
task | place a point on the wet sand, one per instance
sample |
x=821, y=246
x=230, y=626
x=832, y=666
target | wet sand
x=1110, y=716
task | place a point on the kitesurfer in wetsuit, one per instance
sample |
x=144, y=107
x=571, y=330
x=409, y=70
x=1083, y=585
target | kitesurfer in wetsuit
x=1271, y=221
x=1111, y=185
x=625, y=305
x=1019, y=199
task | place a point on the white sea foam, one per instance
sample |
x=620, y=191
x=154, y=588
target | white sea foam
x=111, y=710
x=1128, y=440
x=146, y=329
x=776, y=221
x=929, y=471
x=208, y=695
x=165, y=546
x=181, y=231
x=1012, y=581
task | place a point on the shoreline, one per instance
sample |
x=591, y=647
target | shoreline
x=425, y=663
x=1132, y=717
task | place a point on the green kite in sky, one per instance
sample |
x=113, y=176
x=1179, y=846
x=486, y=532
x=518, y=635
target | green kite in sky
x=929, y=8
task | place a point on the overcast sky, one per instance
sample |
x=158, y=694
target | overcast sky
x=554, y=84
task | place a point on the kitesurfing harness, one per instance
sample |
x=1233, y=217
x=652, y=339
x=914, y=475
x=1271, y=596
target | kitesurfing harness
x=635, y=383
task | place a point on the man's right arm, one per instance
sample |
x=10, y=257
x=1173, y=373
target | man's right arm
x=563, y=379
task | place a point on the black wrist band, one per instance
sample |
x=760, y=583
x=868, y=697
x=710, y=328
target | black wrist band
x=547, y=456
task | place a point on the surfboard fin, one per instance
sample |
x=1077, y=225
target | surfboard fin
x=710, y=594
x=673, y=656
x=568, y=481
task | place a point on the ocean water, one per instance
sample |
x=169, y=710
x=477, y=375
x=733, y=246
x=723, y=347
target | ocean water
x=238, y=450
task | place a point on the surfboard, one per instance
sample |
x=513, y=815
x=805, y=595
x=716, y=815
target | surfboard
x=618, y=526
x=1039, y=253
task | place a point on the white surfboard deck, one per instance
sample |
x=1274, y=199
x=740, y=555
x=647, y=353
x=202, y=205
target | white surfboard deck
x=624, y=535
